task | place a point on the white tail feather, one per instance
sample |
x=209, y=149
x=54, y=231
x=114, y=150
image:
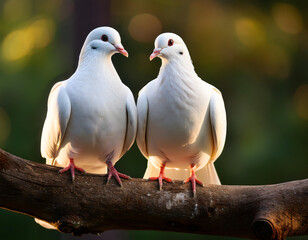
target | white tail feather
x=151, y=171
x=208, y=174
x=44, y=224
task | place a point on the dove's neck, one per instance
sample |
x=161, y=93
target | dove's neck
x=97, y=66
x=178, y=70
x=178, y=83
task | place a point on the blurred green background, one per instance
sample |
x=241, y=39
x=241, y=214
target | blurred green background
x=255, y=52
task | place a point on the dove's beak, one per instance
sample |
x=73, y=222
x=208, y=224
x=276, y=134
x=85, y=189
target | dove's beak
x=156, y=52
x=121, y=49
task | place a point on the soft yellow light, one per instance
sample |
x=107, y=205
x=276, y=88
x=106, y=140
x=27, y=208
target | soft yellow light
x=42, y=31
x=301, y=101
x=144, y=27
x=250, y=32
x=5, y=125
x=17, y=45
x=288, y=18
x=22, y=42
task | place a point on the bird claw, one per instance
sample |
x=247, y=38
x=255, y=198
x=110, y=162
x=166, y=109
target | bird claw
x=71, y=166
x=160, y=179
x=193, y=181
x=113, y=172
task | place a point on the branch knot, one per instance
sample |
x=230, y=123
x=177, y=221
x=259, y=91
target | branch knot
x=71, y=224
x=263, y=229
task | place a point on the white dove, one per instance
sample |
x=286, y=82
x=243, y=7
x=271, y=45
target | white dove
x=92, y=118
x=181, y=119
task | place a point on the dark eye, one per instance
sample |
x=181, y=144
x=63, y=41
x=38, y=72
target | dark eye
x=104, y=38
x=170, y=42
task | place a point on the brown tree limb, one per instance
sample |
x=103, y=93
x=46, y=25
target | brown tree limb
x=90, y=206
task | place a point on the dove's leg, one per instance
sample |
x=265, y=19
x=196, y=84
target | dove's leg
x=71, y=166
x=161, y=177
x=113, y=172
x=193, y=179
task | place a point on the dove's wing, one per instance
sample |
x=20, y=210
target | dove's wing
x=58, y=114
x=142, y=109
x=218, y=122
x=131, y=123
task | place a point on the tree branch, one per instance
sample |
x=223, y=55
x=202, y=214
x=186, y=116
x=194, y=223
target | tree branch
x=90, y=206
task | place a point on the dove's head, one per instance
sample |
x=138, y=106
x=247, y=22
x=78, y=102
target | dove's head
x=103, y=41
x=170, y=46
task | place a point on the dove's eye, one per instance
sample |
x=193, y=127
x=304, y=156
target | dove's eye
x=104, y=38
x=170, y=42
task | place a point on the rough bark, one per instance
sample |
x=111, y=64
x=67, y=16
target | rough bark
x=88, y=205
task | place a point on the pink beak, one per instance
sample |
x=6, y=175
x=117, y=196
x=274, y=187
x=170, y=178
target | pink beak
x=156, y=52
x=121, y=49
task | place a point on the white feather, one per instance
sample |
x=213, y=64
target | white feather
x=142, y=109
x=131, y=123
x=218, y=122
x=58, y=114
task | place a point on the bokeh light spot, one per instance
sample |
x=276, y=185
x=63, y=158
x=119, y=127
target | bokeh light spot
x=250, y=32
x=5, y=126
x=21, y=43
x=144, y=27
x=42, y=31
x=288, y=18
x=17, y=44
x=301, y=101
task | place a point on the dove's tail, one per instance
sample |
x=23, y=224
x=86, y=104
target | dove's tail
x=206, y=175
x=44, y=224
x=151, y=171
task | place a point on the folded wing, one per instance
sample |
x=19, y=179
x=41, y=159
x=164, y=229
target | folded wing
x=131, y=123
x=218, y=122
x=58, y=115
x=142, y=109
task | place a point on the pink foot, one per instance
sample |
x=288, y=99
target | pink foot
x=113, y=172
x=71, y=166
x=193, y=181
x=161, y=177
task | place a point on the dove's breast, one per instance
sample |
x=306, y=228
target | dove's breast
x=178, y=124
x=97, y=123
